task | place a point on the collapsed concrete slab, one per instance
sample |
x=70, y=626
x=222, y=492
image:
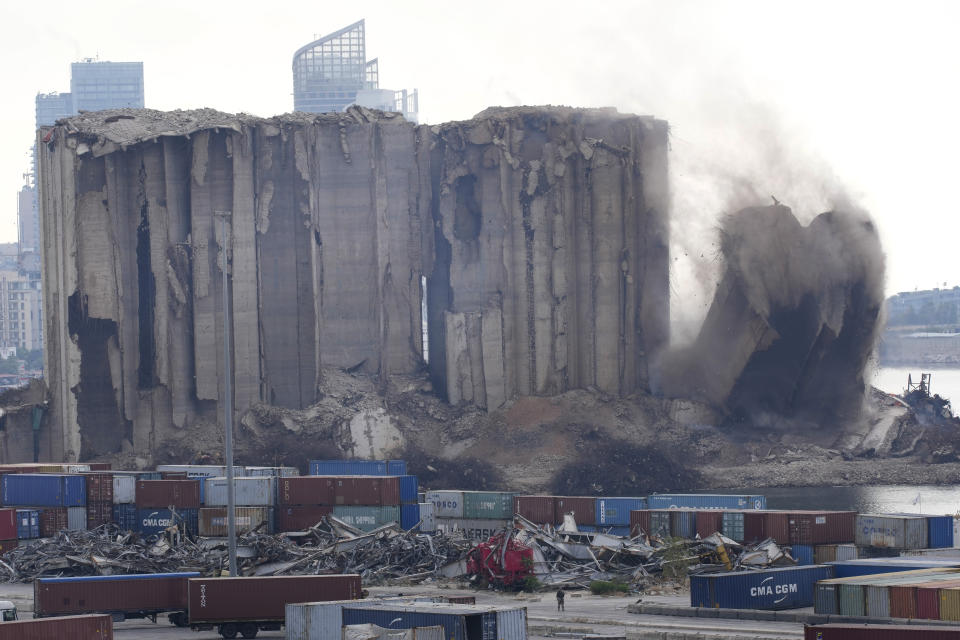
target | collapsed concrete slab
x=538, y=235
x=793, y=322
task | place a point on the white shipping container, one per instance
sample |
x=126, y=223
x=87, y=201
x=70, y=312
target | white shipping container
x=446, y=504
x=956, y=532
x=480, y=530
x=364, y=631
x=247, y=492
x=201, y=470
x=319, y=620
x=213, y=520
x=428, y=522
x=124, y=489
x=76, y=468
x=276, y=472
x=76, y=518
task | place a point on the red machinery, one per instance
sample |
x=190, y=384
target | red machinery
x=501, y=559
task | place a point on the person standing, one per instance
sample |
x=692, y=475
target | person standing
x=560, y=596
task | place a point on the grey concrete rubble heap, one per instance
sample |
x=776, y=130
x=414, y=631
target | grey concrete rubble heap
x=541, y=235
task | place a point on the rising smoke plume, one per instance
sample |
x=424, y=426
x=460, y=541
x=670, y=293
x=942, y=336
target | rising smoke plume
x=793, y=322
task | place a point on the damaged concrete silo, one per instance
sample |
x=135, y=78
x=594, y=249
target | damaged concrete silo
x=793, y=322
x=541, y=233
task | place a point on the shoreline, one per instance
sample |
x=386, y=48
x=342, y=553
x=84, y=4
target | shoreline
x=831, y=473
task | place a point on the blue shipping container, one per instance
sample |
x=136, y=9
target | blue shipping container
x=409, y=515
x=705, y=501
x=408, y=489
x=871, y=566
x=940, y=532
x=358, y=468
x=44, y=490
x=787, y=588
x=802, y=553
x=28, y=524
x=616, y=511
x=153, y=521
x=125, y=516
x=483, y=624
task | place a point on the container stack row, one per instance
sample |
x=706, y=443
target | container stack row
x=928, y=594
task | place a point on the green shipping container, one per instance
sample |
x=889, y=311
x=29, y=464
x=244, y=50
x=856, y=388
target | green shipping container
x=367, y=518
x=852, y=600
x=488, y=505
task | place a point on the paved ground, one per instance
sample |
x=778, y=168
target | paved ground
x=584, y=613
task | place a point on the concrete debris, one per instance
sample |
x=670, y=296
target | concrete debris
x=537, y=236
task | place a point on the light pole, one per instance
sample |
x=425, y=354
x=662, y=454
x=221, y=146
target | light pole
x=225, y=243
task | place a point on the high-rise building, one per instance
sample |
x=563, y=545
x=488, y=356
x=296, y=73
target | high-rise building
x=21, y=318
x=97, y=85
x=53, y=106
x=28, y=226
x=333, y=72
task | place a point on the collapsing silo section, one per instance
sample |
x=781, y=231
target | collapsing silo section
x=541, y=234
x=793, y=322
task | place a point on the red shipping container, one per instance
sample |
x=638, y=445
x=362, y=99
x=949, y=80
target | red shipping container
x=160, y=494
x=903, y=601
x=67, y=627
x=709, y=522
x=760, y=525
x=359, y=491
x=299, y=518
x=128, y=593
x=640, y=521
x=99, y=487
x=52, y=520
x=537, y=509
x=928, y=598
x=306, y=490
x=263, y=598
x=584, y=509
x=8, y=524
x=99, y=513
x=879, y=632
x=390, y=491
x=822, y=527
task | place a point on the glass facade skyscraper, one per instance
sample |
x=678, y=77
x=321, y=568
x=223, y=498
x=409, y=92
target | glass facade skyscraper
x=333, y=72
x=99, y=85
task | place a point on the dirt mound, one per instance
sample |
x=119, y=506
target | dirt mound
x=619, y=468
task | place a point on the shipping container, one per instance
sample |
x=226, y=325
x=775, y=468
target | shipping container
x=446, y=504
x=760, y=525
x=950, y=604
x=802, y=553
x=358, y=468
x=67, y=627
x=125, y=517
x=940, y=532
x=369, y=491
x=660, y=523
x=76, y=518
x=28, y=524
x=322, y=620
x=306, y=490
x=52, y=521
x=259, y=491
x=182, y=494
x=367, y=518
x=537, y=509
x=428, y=522
x=823, y=553
x=275, y=472
x=152, y=521
x=262, y=598
x=616, y=511
x=905, y=599
x=459, y=622
x=408, y=489
x=848, y=596
x=299, y=518
x=99, y=513
x=489, y=505
x=213, y=520
x=871, y=566
x=733, y=525
x=389, y=491
x=683, y=524
x=584, y=509
x=639, y=522
x=479, y=530
x=200, y=470
x=8, y=545
x=123, y=596
x=892, y=531
x=8, y=524
x=44, y=490
x=705, y=501
x=709, y=522
x=821, y=527
x=786, y=588
x=124, y=489
x=879, y=632
x=99, y=486
x=409, y=516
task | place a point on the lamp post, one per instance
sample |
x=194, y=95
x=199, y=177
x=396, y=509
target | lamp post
x=224, y=216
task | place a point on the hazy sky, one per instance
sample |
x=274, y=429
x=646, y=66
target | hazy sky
x=808, y=101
